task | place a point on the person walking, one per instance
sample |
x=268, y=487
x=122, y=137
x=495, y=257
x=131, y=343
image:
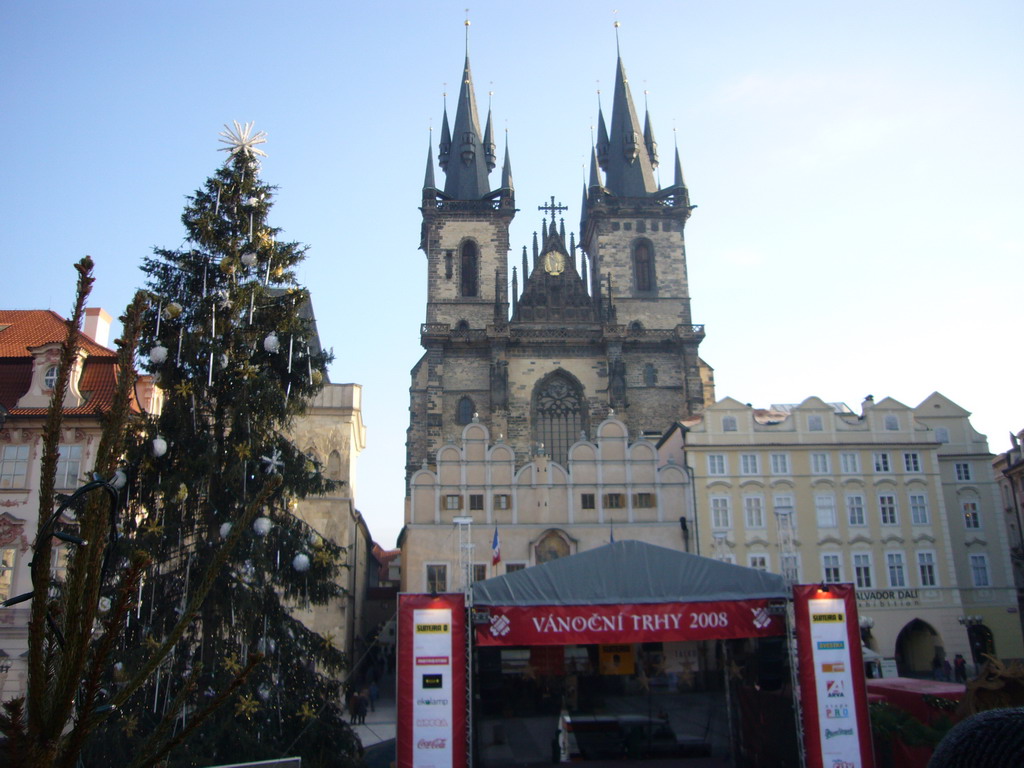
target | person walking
x=374, y=694
x=960, y=668
x=362, y=704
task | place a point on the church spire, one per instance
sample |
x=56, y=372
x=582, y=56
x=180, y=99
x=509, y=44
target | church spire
x=489, y=154
x=428, y=177
x=649, y=142
x=506, y=171
x=445, y=147
x=628, y=171
x=467, y=167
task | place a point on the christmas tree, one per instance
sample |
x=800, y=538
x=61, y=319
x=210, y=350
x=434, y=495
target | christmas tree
x=236, y=361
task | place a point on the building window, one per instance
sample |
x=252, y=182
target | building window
x=897, y=572
x=69, y=466
x=971, y=517
x=560, y=415
x=758, y=562
x=513, y=567
x=50, y=377
x=850, y=463
x=790, y=566
x=819, y=463
x=919, y=509
x=780, y=463
x=831, y=568
x=979, y=570
x=783, y=501
x=912, y=462
x=643, y=267
x=437, y=578
x=7, y=556
x=825, y=510
x=963, y=472
x=862, y=570
x=614, y=500
x=892, y=423
x=716, y=464
x=476, y=501
x=720, y=514
x=468, y=272
x=643, y=500
x=753, y=510
x=464, y=411
x=502, y=501
x=926, y=568
x=749, y=464
x=479, y=571
x=882, y=462
x=587, y=501
x=650, y=375
x=815, y=423
x=855, y=509
x=887, y=509
x=942, y=434
x=729, y=424
x=453, y=501
x=14, y=466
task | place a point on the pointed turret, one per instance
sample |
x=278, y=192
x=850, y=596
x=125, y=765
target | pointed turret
x=489, y=154
x=601, y=151
x=445, y=147
x=679, y=181
x=506, y=171
x=649, y=142
x=628, y=172
x=467, y=167
x=595, y=171
x=428, y=177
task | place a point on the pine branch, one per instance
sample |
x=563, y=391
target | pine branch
x=42, y=703
x=216, y=703
x=86, y=571
x=199, y=596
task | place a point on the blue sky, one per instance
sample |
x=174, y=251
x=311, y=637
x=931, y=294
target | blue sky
x=857, y=169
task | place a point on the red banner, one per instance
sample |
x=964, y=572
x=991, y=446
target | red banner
x=833, y=695
x=431, y=681
x=633, y=623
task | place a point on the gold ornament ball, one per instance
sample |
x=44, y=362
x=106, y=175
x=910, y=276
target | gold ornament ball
x=228, y=266
x=172, y=310
x=182, y=493
x=317, y=378
x=278, y=271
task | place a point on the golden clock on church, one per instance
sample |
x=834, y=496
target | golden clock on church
x=554, y=263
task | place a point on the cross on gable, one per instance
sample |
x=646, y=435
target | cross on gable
x=552, y=207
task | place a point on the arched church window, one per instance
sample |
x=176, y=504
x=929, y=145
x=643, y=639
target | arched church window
x=643, y=267
x=334, y=466
x=650, y=375
x=469, y=269
x=465, y=410
x=560, y=414
x=462, y=325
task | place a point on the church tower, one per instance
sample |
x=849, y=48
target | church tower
x=633, y=233
x=464, y=236
x=599, y=331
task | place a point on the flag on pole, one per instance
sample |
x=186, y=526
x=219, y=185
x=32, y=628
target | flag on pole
x=495, y=548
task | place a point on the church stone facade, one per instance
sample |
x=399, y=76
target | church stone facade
x=600, y=330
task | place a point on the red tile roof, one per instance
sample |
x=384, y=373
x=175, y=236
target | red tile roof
x=22, y=330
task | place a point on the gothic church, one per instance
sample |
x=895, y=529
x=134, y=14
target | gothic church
x=598, y=346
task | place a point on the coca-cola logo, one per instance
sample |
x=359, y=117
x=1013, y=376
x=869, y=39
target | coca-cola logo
x=437, y=743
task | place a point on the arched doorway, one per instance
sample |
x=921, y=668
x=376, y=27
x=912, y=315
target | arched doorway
x=917, y=645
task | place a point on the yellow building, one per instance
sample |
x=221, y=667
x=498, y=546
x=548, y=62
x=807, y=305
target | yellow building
x=900, y=501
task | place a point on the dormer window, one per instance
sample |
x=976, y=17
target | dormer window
x=50, y=377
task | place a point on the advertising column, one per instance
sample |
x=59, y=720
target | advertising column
x=833, y=695
x=431, y=681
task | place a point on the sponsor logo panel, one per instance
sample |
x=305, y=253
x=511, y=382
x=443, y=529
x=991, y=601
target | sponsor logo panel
x=831, y=645
x=432, y=661
x=433, y=681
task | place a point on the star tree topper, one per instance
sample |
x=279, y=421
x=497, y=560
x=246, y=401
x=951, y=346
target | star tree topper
x=242, y=140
